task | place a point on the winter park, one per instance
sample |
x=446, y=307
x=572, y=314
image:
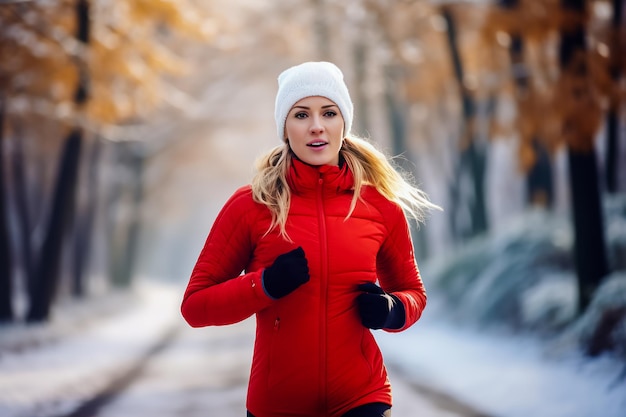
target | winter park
x=126, y=127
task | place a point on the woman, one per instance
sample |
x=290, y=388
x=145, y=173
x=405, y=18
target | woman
x=321, y=223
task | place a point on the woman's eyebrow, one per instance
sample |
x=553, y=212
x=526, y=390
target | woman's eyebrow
x=308, y=108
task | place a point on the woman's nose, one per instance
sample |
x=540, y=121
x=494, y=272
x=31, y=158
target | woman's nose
x=316, y=124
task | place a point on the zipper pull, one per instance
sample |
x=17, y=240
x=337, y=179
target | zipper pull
x=277, y=323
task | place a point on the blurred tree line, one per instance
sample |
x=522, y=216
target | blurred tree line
x=447, y=79
x=78, y=78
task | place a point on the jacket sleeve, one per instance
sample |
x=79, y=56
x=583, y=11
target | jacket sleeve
x=397, y=269
x=218, y=293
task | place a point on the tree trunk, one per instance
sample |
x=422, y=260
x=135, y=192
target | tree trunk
x=589, y=244
x=129, y=258
x=22, y=204
x=84, y=224
x=6, y=287
x=612, y=149
x=46, y=277
x=473, y=158
x=476, y=162
x=361, y=102
x=397, y=117
x=539, y=183
x=116, y=227
x=45, y=281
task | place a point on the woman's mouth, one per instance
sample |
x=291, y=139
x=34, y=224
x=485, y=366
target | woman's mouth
x=316, y=144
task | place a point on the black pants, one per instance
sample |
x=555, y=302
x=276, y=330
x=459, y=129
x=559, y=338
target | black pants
x=367, y=410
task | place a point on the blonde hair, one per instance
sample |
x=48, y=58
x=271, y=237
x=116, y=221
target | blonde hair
x=369, y=166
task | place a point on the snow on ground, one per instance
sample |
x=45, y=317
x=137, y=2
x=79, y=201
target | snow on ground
x=57, y=374
x=500, y=375
x=505, y=375
x=202, y=373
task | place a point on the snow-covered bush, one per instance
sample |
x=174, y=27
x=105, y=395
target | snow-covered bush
x=524, y=277
x=551, y=303
x=602, y=327
x=490, y=278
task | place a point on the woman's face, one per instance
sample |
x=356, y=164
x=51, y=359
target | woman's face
x=314, y=128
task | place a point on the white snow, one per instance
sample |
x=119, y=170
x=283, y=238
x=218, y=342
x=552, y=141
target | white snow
x=60, y=373
x=505, y=375
x=499, y=374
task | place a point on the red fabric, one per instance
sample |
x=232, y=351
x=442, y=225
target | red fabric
x=312, y=356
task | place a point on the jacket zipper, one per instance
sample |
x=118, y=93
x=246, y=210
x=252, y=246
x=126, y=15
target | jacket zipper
x=323, y=293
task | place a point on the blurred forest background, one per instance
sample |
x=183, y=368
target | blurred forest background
x=125, y=125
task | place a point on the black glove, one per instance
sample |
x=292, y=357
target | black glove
x=288, y=272
x=378, y=309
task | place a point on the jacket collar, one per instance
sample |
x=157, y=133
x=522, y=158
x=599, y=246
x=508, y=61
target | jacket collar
x=303, y=178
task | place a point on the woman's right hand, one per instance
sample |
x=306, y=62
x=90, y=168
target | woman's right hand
x=289, y=271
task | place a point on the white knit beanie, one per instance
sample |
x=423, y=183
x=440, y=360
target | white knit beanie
x=312, y=79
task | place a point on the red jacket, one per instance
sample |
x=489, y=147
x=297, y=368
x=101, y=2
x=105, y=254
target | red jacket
x=312, y=355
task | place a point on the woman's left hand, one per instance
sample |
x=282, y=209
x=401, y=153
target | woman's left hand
x=378, y=309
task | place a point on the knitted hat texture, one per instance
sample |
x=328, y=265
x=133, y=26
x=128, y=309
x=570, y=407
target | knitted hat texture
x=312, y=79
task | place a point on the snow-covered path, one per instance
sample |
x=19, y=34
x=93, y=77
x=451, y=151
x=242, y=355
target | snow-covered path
x=198, y=372
x=505, y=374
x=204, y=373
x=201, y=373
x=54, y=368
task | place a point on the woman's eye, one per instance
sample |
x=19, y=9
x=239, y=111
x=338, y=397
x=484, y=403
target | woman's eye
x=330, y=113
x=300, y=115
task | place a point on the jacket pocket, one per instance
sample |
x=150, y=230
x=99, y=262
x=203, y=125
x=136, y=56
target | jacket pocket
x=369, y=351
x=272, y=361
